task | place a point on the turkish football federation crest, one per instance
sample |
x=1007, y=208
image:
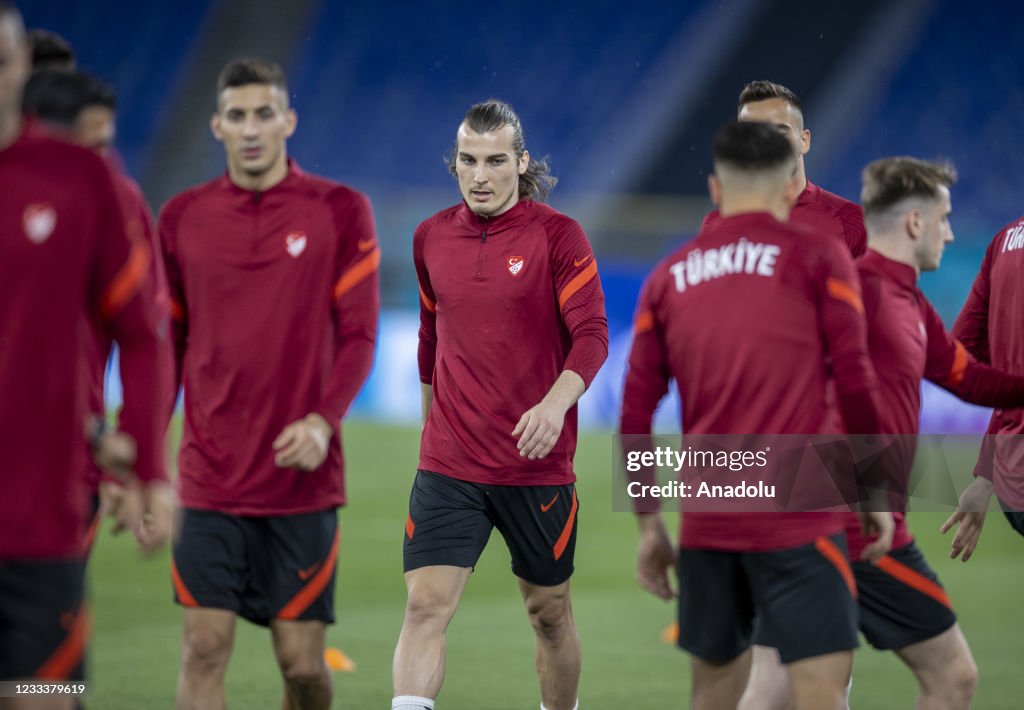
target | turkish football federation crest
x=39, y=220
x=295, y=243
x=515, y=265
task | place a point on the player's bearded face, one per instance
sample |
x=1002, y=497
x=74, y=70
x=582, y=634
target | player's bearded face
x=488, y=169
x=253, y=122
x=936, y=231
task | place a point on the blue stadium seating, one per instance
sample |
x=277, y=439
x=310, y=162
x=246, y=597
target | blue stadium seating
x=140, y=47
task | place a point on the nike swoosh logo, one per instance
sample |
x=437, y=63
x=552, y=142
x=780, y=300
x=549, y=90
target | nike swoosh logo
x=305, y=574
x=367, y=244
x=581, y=262
x=546, y=508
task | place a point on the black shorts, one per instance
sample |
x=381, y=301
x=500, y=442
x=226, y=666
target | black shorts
x=1014, y=517
x=44, y=622
x=901, y=600
x=450, y=521
x=803, y=599
x=261, y=568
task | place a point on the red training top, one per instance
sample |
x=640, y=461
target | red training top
x=745, y=318
x=139, y=222
x=507, y=304
x=991, y=327
x=65, y=257
x=908, y=342
x=274, y=299
x=824, y=213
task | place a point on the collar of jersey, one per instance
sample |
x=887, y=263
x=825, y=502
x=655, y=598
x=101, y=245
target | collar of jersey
x=903, y=274
x=291, y=177
x=808, y=194
x=520, y=213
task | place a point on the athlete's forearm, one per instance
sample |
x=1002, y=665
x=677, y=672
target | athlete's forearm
x=426, y=398
x=566, y=391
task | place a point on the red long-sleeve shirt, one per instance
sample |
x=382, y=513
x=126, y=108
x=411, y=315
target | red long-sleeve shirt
x=744, y=318
x=908, y=342
x=274, y=297
x=65, y=257
x=507, y=304
x=824, y=213
x=991, y=327
x=139, y=223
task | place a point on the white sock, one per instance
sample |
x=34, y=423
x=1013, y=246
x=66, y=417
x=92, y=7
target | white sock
x=574, y=707
x=411, y=702
x=849, y=687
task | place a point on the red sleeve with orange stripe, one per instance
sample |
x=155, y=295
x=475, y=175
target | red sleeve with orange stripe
x=647, y=382
x=580, y=298
x=841, y=310
x=951, y=367
x=126, y=300
x=426, y=354
x=167, y=227
x=356, y=298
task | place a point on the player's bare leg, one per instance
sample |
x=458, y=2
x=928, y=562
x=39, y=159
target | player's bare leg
x=205, y=650
x=768, y=684
x=819, y=683
x=945, y=670
x=299, y=648
x=434, y=593
x=557, y=645
x=718, y=685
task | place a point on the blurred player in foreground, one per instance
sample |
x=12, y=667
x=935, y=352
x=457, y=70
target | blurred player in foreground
x=512, y=333
x=64, y=254
x=719, y=334
x=273, y=283
x=80, y=108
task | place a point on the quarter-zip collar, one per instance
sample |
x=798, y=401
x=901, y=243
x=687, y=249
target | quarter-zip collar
x=291, y=178
x=903, y=275
x=475, y=225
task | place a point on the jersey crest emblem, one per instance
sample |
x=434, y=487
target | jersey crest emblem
x=295, y=243
x=39, y=220
x=515, y=265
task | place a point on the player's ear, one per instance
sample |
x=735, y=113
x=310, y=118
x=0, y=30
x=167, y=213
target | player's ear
x=805, y=141
x=215, y=126
x=291, y=120
x=524, y=161
x=913, y=223
x=715, y=190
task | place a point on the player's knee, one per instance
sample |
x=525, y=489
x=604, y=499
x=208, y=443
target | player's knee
x=427, y=607
x=551, y=617
x=962, y=679
x=205, y=650
x=303, y=670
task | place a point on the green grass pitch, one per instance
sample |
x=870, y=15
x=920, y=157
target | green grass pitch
x=134, y=653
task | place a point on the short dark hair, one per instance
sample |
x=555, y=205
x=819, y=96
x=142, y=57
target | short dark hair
x=50, y=50
x=248, y=70
x=751, y=146
x=889, y=181
x=491, y=115
x=763, y=90
x=58, y=96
